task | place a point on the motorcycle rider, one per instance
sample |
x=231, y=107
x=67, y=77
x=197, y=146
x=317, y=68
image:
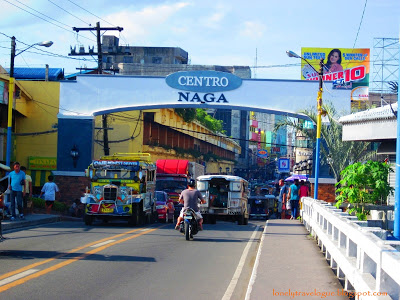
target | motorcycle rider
x=189, y=198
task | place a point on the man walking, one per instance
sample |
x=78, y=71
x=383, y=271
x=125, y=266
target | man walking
x=17, y=182
x=27, y=190
x=294, y=198
x=282, y=199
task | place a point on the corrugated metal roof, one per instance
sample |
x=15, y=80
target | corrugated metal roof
x=380, y=113
x=38, y=73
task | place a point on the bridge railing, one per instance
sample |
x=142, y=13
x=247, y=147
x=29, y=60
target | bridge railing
x=362, y=257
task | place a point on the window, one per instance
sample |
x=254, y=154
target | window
x=128, y=59
x=156, y=60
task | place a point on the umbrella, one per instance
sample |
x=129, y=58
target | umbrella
x=297, y=176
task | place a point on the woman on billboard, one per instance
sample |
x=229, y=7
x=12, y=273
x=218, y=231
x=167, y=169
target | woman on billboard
x=334, y=62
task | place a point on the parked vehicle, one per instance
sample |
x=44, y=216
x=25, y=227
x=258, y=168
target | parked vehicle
x=173, y=176
x=262, y=206
x=122, y=187
x=189, y=226
x=161, y=199
x=226, y=197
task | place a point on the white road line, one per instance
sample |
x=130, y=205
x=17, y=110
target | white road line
x=235, y=278
x=255, y=267
x=17, y=276
x=102, y=243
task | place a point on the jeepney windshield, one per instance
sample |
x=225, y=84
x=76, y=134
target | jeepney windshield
x=173, y=185
x=117, y=174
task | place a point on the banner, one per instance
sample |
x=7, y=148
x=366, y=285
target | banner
x=262, y=153
x=347, y=68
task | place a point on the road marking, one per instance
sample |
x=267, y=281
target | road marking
x=31, y=266
x=103, y=243
x=17, y=276
x=255, y=267
x=229, y=291
x=71, y=260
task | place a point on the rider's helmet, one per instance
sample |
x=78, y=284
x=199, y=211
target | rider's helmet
x=192, y=183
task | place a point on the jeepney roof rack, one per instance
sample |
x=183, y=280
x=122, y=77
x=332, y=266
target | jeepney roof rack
x=128, y=156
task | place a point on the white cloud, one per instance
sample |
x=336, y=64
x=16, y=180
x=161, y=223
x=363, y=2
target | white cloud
x=139, y=24
x=252, y=29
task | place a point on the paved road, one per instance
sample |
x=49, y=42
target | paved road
x=67, y=260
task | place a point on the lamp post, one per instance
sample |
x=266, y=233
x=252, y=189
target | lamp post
x=11, y=91
x=319, y=115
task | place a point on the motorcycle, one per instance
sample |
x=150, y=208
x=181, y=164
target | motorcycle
x=189, y=226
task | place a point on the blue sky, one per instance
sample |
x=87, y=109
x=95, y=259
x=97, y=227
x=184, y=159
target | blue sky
x=221, y=32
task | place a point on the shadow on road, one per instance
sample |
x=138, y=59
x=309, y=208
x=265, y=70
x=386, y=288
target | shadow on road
x=17, y=254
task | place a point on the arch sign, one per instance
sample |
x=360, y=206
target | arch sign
x=99, y=94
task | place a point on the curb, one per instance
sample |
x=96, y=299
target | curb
x=27, y=223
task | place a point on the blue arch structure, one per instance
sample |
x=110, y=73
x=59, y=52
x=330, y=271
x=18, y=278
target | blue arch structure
x=92, y=95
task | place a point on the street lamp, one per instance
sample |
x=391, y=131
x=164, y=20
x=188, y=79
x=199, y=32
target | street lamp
x=11, y=91
x=320, y=113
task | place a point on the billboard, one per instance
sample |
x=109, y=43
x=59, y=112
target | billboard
x=347, y=68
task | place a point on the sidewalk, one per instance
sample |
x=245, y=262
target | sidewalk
x=35, y=219
x=289, y=262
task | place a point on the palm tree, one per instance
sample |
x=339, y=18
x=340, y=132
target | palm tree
x=341, y=153
x=394, y=87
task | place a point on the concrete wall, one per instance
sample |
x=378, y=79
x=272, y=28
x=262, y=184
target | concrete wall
x=41, y=115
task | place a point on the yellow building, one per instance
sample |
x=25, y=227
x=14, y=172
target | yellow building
x=165, y=135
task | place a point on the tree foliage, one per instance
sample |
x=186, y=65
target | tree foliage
x=187, y=114
x=342, y=153
x=208, y=121
x=191, y=114
x=364, y=183
x=394, y=86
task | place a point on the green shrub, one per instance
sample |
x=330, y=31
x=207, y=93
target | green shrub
x=364, y=183
x=57, y=206
x=38, y=203
x=60, y=206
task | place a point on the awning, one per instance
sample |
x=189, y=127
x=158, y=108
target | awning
x=39, y=178
x=387, y=147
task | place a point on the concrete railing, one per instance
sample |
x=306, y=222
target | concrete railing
x=363, y=259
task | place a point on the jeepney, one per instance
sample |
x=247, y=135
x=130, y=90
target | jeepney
x=122, y=187
x=226, y=197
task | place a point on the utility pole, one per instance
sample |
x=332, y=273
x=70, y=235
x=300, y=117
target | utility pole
x=99, y=71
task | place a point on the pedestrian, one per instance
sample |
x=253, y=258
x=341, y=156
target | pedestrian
x=282, y=199
x=50, y=189
x=303, y=192
x=75, y=210
x=17, y=181
x=27, y=189
x=293, y=195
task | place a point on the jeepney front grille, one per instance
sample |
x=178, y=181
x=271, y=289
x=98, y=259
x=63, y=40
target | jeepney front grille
x=110, y=193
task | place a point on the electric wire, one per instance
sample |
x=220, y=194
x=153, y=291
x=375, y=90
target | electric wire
x=68, y=12
x=19, y=2
x=52, y=54
x=90, y=12
x=46, y=20
x=359, y=27
x=221, y=136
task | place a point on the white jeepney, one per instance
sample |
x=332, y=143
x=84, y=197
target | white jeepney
x=226, y=197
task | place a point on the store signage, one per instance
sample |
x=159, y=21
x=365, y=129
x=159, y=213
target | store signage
x=284, y=165
x=262, y=153
x=203, y=81
x=203, y=86
x=42, y=163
